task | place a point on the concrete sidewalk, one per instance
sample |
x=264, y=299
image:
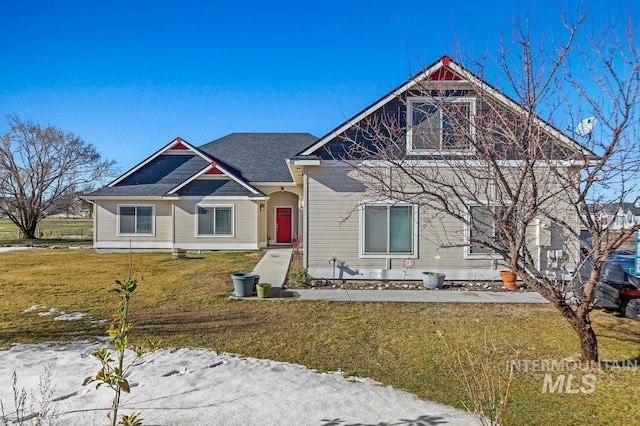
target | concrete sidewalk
x=418, y=296
x=273, y=267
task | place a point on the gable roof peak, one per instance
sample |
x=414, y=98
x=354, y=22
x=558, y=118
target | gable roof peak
x=445, y=71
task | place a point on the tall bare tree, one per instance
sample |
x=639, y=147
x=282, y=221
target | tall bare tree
x=511, y=181
x=38, y=166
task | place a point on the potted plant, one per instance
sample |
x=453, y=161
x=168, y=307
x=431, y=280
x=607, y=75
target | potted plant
x=508, y=279
x=244, y=283
x=263, y=290
x=433, y=280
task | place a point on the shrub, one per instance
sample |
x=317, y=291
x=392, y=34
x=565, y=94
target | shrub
x=299, y=276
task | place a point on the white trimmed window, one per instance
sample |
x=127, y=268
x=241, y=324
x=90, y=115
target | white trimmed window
x=439, y=124
x=215, y=220
x=482, y=228
x=135, y=220
x=388, y=230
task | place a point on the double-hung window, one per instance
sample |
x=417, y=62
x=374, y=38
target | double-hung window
x=388, y=229
x=214, y=221
x=135, y=220
x=440, y=124
x=482, y=228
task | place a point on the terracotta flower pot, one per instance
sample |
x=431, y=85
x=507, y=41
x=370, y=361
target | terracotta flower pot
x=509, y=280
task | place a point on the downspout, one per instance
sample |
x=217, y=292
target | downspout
x=305, y=229
x=173, y=224
x=95, y=222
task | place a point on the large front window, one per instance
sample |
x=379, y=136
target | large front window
x=135, y=220
x=439, y=124
x=388, y=229
x=215, y=221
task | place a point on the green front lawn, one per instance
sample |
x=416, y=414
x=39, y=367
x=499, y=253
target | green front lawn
x=185, y=303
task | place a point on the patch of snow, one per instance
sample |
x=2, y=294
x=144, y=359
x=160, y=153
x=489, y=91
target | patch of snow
x=75, y=316
x=201, y=387
x=31, y=309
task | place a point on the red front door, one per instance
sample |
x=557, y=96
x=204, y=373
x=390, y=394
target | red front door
x=283, y=225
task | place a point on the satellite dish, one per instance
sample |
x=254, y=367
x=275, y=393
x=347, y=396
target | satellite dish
x=585, y=127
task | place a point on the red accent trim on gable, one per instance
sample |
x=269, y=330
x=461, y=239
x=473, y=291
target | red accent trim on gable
x=445, y=61
x=214, y=170
x=444, y=74
x=179, y=147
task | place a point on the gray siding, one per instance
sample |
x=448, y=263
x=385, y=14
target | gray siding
x=334, y=231
x=245, y=225
x=106, y=226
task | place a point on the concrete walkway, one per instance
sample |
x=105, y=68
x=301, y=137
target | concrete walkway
x=273, y=267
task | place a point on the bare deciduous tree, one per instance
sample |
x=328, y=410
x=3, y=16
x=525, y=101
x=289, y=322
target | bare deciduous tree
x=38, y=165
x=520, y=190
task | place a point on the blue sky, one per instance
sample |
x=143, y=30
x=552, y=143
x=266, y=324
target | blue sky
x=129, y=76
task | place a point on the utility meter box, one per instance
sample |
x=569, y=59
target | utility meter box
x=544, y=232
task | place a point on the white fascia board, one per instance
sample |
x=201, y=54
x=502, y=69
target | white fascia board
x=274, y=183
x=307, y=162
x=298, y=164
x=128, y=199
x=158, y=153
x=578, y=163
x=214, y=164
x=458, y=163
x=290, y=170
x=222, y=197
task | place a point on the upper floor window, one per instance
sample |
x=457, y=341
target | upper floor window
x=440, y=124
x=135, y=220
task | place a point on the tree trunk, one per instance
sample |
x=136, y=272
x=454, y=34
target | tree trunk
x=29, y=230
x=588, y=341
x=579, y=320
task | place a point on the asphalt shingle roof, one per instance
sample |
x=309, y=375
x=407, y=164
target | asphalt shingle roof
x=259, y=157
x=166, y=169
x=218, y=187
x=254, y=157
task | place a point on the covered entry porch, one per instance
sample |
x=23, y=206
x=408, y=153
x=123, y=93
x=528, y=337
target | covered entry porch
x=281, y=218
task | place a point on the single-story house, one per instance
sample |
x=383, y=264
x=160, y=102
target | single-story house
x=248, y=191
